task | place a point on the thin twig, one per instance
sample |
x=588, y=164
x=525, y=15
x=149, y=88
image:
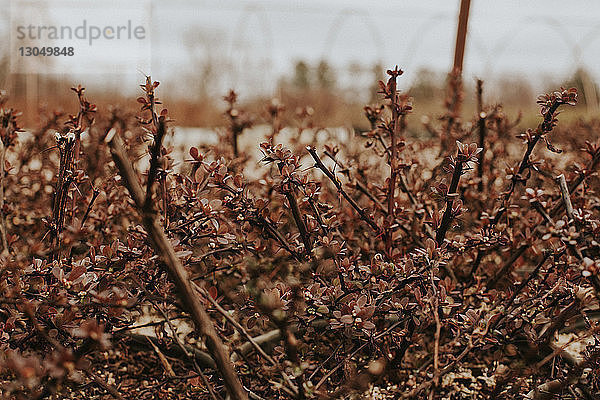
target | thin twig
x=544, y=128
x=355, y=352
x=566, y=198
x=589, y=169
x=542, y=211
x=236, y=325
x=326, y=361
x=359, y=185
x=363, y=215
x=394, y=134
x=506, y=267
x=260, y=221
x=95, y=194
x=269, y=337
x=348, y=357
x=202, y=358
x=434, y=302
x=154, y=162
x=525, y=282
x=559, y=320
x=363, y=189
x=447, y=217
x=299, y=221
x=478, y=258
x=163, y=360
x=2, y=217
x=482, y=128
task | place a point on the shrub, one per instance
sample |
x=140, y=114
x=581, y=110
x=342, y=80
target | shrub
x=366, y=267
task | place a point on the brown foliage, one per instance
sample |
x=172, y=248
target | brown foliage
x=335, y=271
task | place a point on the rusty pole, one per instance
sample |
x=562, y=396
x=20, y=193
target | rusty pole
x=461, y=35
x=455, y=81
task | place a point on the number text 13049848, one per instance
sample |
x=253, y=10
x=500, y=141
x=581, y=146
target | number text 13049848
x=46, y=51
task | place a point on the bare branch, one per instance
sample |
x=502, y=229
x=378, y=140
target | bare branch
x=176, y=271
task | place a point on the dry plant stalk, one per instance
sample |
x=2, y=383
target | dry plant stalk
x=66, y=144
x=161, y=243
x=2, y=216
x=164, y=249
x=457, y=165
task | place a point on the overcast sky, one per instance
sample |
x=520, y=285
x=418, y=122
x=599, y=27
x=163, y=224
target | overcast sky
x=537, y=38
x=256, y=41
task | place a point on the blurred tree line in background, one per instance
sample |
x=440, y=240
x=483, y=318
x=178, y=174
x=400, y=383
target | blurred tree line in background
x=337, y=94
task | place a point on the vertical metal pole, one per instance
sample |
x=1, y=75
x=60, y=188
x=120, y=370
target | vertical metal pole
x=454, y=77
x=461, y=35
